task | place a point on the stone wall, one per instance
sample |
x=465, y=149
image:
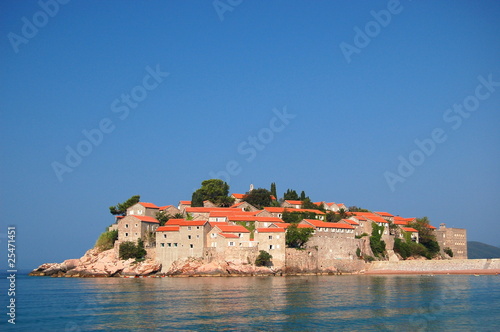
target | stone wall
x=310, y=260
x=436, y=266
x=245, y=255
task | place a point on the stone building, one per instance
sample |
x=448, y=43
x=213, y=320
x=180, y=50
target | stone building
x=143, y=209
x=131, y=228
x=453, y=238
x=273, y=241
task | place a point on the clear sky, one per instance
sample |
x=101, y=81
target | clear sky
x=102, y=100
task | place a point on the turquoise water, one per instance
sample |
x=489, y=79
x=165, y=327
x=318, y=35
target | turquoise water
x=304, y=303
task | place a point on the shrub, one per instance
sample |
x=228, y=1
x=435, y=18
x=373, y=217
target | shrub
x=297, y=237
x=264, y=258
x=448, y=251
x=129, y=249
x=402, y=248
x=376, y=243
x=369, y=259
x=106, y=240
x=358, y=252
x=361, y=235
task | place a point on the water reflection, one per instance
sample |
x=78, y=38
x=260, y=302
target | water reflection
x=402, y=303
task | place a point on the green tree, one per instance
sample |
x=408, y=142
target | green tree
x=127, y=250
x=140, y=252
x=426, y=235
x=376, y=243
x=263, y=259
x=214, y=190
x=448, y=251
x=259, y=198
x=307, y=204
x=290, y=195
x=121, y=208
x=106, y=240
x=303, y=195
x=163, y=217
x=333, y=217
x=273, y=190
x=295, y=217
x=357, y=209
x=297, y=237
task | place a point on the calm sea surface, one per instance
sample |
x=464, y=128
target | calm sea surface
x=306, y=303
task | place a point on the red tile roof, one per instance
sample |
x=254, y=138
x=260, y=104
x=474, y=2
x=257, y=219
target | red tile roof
x=183, y=222
x=282, y=224
x=251, y=218
x=319, y=223
x=271, y=230
x=273, y=198
x=210, y=209
x=185, y=202
x=217, y=223
x=146, y=219
x=232, y=229
x=384, y=214
x=294, y=202
x=239, y=196
x=351, y=222
x=168, y=229
x=409, y=229
x=232, y=236
x=149, y=205
x=233, y=212
x=281, y=210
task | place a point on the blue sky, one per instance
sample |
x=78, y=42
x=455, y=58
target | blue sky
x=231, y=70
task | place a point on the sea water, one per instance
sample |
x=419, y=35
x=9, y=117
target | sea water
x=295, y=303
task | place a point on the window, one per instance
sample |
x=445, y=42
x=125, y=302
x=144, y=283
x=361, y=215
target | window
x=135, y=225
x=169, y=244
x=126, y=225
x=214, y=244
x=271, y=247
x=175, y=244
x=197, y=227
x=197, y=236
x=213, y=235
x=162, y=245
x=277, y=236
x=189, y=237
x=135, y=234
x=189, y=228
x=126, y=234
x=164, y=236
x=231, y=244
x=191, y=246
x=270, y=237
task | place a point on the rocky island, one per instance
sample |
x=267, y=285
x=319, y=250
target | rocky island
x=217, y=234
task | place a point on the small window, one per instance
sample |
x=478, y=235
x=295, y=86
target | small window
x=162, y=245
x=189, y=228
x=175, y=244
x=135, y=234
x=270, y=237
x=231, y=244
x=164, y=236
x=271, y=247
x=277, y=236
x=197, y=236
x=214, y=244
x=189, y=237
x=135, y=225
x=169, y=244
x=126, y=225
x=197, y=227
x=191, y=246
x=126, y=234
x=213, y=235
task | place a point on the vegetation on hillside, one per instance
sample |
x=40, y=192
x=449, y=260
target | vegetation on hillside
x=259, y=198
x=214, y=190
x=106, y=240
x=479, y=250
x=376, y=243
x=297, y=237
x=129, y=249
x=263, y=259
x=121, y=208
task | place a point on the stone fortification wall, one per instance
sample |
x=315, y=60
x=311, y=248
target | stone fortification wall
x=245, y=255
x=473, y=265
x=311, y=260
